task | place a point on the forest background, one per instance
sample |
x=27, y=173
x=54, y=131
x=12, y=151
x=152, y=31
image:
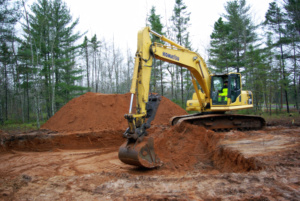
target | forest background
x=47, y=62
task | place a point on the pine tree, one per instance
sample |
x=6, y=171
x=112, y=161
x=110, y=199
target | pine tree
x=292, y=8
x=9, y=15
x=180, y=19
x=64, y=53
x=275, y=20
x=26, y=72
x=95, y=44
x=85, y=53
x=257, y=75
x=242, y=31
x=272, y=72
x=219, y=47
x=156, y=74
x=5, y=60
x=51, y=29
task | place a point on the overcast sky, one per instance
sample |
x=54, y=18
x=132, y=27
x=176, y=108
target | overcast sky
x=122, y=19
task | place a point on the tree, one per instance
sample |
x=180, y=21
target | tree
x=235, y=46
x=155, y=24
x=180, y=19
x=242, y=31
x=256, y=68
x=9, y=15
x=219, y=47
x=95, y=44
x=156, y=74
x=52, y=31
x=292, y=8
x=5, y=59
x=85, y=52
x=26, y=72
x=275, y=20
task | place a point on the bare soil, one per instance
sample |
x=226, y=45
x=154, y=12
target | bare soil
x=64, y=164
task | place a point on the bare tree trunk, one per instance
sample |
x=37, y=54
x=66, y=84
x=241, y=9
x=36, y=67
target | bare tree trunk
x=181, y=81
x=169, y=68
x=294, y=79
x=284, y=79
x=270, y=101
x=87, y=66
x=54, y=80
x=176, y=81
x=32, y=63
x=128, y=76
x=6, y=93
x=94, y=70
x=98, y=71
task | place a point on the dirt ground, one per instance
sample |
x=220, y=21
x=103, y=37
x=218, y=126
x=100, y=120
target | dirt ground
x=252, y=165
x=197, y=164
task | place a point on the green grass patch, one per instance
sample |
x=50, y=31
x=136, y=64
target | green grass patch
x=11, y=126
x=281, y=116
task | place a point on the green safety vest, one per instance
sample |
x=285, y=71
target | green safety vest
x=224, y=93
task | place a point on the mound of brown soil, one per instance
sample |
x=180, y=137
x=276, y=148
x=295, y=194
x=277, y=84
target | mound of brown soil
x=182, y=147
x=188, y=147
x=96, y=112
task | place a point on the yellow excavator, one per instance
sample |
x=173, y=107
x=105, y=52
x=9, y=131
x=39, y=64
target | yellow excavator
x=211, y=101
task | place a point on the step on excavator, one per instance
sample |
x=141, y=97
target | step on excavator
x=214, y=95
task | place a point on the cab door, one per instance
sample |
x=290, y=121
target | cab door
x=235, y=88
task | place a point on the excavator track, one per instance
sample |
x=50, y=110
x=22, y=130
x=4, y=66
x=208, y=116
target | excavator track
x=222, y=122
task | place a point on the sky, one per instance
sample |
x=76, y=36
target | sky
x=120, y=20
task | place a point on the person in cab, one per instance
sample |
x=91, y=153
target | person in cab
x=224, y=92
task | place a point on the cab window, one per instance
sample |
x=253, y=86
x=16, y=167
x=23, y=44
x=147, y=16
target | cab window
x=218, y=92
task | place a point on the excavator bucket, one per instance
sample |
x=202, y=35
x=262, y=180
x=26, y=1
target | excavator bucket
x=139, y=153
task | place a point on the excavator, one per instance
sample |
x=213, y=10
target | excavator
x=209, y=99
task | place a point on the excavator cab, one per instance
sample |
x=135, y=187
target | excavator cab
x=226, y=89
x=226, y=94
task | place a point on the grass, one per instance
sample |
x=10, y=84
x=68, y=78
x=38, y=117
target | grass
x=285, y=119
x=11, y=126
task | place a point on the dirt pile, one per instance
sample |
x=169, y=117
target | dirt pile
x=182, y=147
x=95, y=112
x=187, y=147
